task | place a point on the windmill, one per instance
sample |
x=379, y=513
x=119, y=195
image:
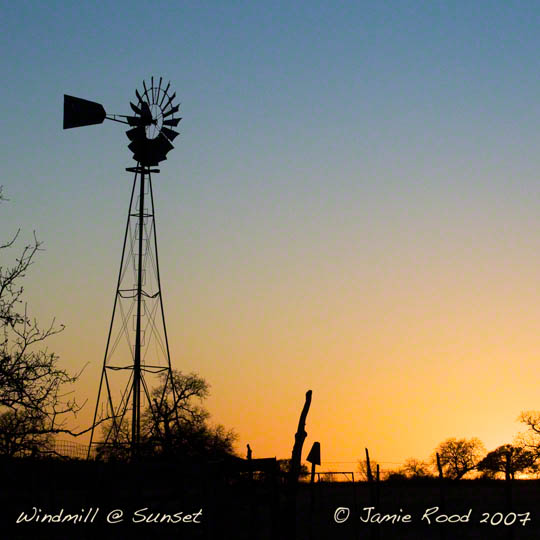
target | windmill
x=137, y=348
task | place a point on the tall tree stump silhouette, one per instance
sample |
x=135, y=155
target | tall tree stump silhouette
x=299, y=439
x=294, y=472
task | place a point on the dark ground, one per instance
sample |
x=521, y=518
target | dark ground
x=233, y=507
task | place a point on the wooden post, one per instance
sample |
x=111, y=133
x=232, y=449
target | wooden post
x=377, y=487
x=508, y=489
x=314, y=457
x=294, y=470
x=368, y=468
x=250, y=468
x=442, y=495
x=370, y=479
x=299, y=439
x=253, y=495
x=441, y=479
x=374, y=529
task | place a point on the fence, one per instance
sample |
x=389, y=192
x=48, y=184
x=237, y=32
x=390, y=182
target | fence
x=67, y=449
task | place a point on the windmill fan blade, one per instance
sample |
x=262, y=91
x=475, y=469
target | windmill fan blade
x=164, y=93
x=136, y=133
x=171, y=111
x=169, y=133
x=81, y=112
x=170, y=100
x=171, y=122
x=135, y=109
x=145, y=91
x=140, y=150
x=135, y=146
x=162, y=145
x=138, y=96
x=150, y=152
x=146, y=114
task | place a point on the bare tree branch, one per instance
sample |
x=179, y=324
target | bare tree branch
x=33, y=403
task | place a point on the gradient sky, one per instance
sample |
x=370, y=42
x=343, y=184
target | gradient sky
x=351, y=207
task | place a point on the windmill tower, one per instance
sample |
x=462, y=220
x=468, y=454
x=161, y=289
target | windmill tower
x=137, y=357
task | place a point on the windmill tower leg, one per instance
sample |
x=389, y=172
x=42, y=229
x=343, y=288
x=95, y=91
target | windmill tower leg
x=136, y=409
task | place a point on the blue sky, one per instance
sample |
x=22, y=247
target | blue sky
x=343, y=168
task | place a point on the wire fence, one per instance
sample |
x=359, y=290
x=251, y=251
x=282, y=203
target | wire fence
x=67, y=449
x=329, y=471
x=346, y=471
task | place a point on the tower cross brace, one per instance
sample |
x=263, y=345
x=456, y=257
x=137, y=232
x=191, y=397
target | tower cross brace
x=136, y=358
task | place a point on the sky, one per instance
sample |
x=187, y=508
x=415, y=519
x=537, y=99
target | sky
x=351, y=208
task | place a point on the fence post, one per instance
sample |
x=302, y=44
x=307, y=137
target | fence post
x=508, y=490
x=372, y=496
x=377, y=487
x=368, y=468
x=314, y=457
x=442, y=495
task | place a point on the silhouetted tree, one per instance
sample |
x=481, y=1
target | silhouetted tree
x=23, y=435
x=116, y=445
x=531, y=438
x=177, y=399
x=175, y=427
x=362, y=469
x=33, y=404
x=178, y=423
x=285, y=468
x=509, y=460
x=415, y=468
x=393, y=476
x=459, y=456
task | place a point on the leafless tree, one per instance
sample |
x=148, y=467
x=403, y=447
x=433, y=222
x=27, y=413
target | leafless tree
x=177, y=399
x=530, y=439
x=33, y=402
x=175, y=426
x=362, y=469
x=459, y=456
x=415, y=468
x=23, y=435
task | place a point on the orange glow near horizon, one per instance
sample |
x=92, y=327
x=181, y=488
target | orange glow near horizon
x=411, y=374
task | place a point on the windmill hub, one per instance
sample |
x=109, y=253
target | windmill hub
x=154, y=129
